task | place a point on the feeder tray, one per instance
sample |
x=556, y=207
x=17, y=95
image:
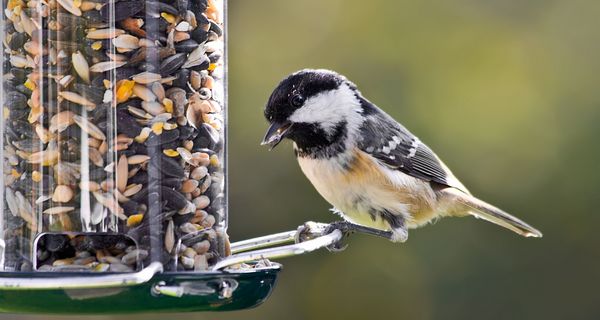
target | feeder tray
x=243, y=280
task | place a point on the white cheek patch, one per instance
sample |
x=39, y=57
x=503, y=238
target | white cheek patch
x=330, y=108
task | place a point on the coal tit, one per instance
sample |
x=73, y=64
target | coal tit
x=373, y=170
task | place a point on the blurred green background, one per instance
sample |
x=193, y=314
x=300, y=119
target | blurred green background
x=505, y=91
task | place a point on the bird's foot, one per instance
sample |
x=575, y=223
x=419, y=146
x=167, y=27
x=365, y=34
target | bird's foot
x=310, y=230
x=346, y=228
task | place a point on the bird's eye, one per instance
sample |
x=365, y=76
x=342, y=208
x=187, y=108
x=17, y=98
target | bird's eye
x=297, y=100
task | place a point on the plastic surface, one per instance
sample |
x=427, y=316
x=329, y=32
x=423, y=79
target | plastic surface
x=252, y=289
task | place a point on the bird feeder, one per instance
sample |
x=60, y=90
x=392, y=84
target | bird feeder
x=114, y=162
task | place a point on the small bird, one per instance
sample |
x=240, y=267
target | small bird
x=375, y=172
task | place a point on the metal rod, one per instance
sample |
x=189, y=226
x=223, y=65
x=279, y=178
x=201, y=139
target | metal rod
x=281, y=252
x=83, y=282
x=263, y=242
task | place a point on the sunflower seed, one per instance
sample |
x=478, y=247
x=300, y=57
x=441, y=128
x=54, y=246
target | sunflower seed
x=18, y=40
x=92, y=93
x=168, y=167
x=186, y=45
x=164, y=138
x=143, y=53
x=118, y=11
x=154, y=8
x=127, y=124
x=196, y=57
x=172, y=64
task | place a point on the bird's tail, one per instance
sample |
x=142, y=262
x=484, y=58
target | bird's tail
x=483, y=210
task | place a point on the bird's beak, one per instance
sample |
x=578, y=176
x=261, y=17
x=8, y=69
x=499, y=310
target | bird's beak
x=277, y=131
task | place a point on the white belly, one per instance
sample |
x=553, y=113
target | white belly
x=367, y=189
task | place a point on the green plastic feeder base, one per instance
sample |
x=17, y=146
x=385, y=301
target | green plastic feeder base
x=152, y=290
x=190, y=292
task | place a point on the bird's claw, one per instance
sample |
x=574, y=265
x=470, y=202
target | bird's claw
x=346, y=230
x=311, y=230
x=337, y=247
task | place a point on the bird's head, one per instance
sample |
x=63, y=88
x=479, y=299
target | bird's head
x=313, y=108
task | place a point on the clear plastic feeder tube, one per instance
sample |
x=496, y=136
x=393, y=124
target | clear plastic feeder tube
x=113, y=135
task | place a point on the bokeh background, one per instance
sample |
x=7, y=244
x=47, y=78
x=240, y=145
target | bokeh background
x=505, y=91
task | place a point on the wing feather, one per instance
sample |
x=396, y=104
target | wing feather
x=396, y=147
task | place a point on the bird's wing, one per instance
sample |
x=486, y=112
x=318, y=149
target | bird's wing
x=397, y=148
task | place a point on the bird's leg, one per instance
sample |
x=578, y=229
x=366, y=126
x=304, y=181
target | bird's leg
x=348, y=228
